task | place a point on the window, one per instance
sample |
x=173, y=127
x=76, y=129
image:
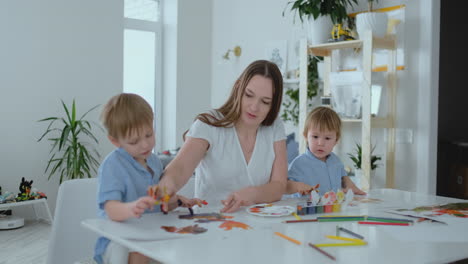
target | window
x=142, y=53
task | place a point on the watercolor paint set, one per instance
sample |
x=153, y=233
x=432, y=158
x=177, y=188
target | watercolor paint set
x=330, y=202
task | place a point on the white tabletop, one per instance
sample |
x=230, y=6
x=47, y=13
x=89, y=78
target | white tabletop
x=420, y=243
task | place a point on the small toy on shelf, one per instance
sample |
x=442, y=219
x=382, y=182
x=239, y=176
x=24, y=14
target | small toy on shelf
x=27, y=193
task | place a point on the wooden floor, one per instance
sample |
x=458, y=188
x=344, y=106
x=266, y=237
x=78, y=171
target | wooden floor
x=27, y=244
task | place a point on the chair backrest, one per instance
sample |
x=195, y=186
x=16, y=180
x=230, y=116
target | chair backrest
x=69, y=241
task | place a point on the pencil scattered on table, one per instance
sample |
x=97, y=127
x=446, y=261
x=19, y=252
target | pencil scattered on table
x=322, y=251
x=339, y=228
x=383, y=223
x=341, y=244
x=296, y=216
x=288, y=238
x=346, y=239
x=300, y=221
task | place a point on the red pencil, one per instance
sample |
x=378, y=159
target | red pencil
x=382, y=223
x=321, y=251
x=300, y=221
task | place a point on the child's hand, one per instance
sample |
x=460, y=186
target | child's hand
x=357, y=191
x=303, y=188
x=138, y=207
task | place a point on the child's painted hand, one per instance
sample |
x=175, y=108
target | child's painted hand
x=138, y=207
x=303, y=188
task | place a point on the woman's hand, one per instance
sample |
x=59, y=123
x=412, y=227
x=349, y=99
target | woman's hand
x=235, y=200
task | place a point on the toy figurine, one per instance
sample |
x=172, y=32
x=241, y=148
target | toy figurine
x=25, y=189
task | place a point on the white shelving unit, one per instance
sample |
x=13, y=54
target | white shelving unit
x=367, y=45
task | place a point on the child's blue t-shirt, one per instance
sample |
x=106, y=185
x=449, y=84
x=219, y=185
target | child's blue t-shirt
x=308, y=169
x=122, y=178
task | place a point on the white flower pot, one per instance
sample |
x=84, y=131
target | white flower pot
x=361, y=182
x=319, y=29
x=375, y=21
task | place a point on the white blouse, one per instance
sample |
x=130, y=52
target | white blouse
x=224, y=168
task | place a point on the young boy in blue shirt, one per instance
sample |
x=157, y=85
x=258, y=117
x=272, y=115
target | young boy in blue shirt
x=319, y=165
x=128, y=171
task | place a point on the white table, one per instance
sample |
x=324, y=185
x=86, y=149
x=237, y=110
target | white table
x=420, y=243
x=42, y=203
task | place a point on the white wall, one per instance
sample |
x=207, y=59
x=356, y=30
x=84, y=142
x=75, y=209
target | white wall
x=52, y=50
x=186, y=66
x=252, y=24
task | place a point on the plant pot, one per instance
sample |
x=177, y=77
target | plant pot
x=361, y=182
x=319, y=29
x=374, y=21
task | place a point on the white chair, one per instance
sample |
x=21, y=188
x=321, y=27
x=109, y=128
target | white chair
x=69, y=241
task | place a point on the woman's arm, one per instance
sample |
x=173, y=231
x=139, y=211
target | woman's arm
x=181, y=168
x=269, y=192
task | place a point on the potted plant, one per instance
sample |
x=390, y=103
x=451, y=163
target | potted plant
x=291, y=104
x=72, y=157
x=356, y=157
x=370, y=20
x=322, y=15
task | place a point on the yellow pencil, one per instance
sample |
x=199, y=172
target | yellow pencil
x=341, y=244
x=296, y=216
x=345, y=238
x=288, y=238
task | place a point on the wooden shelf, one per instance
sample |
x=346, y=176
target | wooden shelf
x=326, y=48
x=367, y=122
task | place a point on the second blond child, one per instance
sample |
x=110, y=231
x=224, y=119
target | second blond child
x=319, y=165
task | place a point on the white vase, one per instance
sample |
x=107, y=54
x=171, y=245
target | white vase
x=361, y=182
x=319, y=29
x=375, y=21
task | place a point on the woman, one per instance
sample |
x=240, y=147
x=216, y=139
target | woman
x=239, y=149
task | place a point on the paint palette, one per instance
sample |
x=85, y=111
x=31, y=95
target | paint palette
x=270, y=210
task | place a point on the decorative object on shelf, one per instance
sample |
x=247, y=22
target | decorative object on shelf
x=340, y=33
x=71, y=156
x=375, y=21
x=236, y=51
x=275, y=51
x=322, y=15
x=291, y=104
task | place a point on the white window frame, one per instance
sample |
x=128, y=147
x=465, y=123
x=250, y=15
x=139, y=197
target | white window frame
x=156, y=28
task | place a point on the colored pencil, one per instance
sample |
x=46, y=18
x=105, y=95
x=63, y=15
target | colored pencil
x=300, y=221
x=345, y=238
x=296, y=216
x=385, y=219
x=382, y=223
x=322, y=251
x=288, y=238
x=350, y=232
x=339, y=219
x=341, y=244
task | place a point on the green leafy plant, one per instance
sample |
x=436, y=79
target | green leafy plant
x=356, y=157
x=370, y=5
x=291, y=106
x=71, y=156
x=315, y=8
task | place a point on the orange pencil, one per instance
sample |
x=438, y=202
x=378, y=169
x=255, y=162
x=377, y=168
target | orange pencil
x=288, y=238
